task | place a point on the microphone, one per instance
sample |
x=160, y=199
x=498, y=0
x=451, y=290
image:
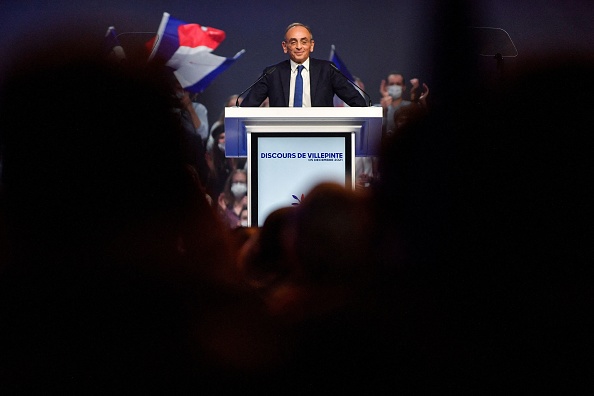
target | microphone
x=266, y=72
x=352, y=82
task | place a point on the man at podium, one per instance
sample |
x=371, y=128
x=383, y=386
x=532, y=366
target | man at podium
x=301, y=81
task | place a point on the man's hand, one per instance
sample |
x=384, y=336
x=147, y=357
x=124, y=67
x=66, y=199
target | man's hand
x=222, y=202
x=425, y=92
x=386, y=101
x=186, y=103
x=185, y=100
x=383, y=88
x=413, y=91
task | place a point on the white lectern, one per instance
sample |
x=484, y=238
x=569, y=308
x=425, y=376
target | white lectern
x=290, y=150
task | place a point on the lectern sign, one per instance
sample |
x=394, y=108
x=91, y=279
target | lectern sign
x=292, y=149
x=287, y=165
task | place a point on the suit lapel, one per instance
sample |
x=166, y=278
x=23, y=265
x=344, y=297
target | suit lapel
x=314, y=78
x=285, y=77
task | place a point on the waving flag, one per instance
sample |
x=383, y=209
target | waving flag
x=186, y=48
x=339, y=63
x=112, y=46
x=197, y=74
x=334, y=58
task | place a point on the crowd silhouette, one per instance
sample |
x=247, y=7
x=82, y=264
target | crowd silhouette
x=462, y=269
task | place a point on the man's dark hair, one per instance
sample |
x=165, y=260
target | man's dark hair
x=295, y=24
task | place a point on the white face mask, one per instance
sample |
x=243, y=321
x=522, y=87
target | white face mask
x=239, y=189
x=222, y=147
x=244, y=223
x=395, y=91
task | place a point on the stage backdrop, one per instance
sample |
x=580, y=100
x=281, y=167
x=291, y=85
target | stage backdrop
x=372, y=37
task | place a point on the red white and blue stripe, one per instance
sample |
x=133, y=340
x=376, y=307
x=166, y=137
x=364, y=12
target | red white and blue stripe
x=186, y=48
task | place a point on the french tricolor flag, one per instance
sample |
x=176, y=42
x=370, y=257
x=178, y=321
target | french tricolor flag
x=187, y=48
x=339, y=63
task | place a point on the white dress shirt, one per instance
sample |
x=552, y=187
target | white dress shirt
x=306, y=90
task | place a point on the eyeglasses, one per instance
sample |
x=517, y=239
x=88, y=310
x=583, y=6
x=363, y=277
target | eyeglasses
x=293, y=42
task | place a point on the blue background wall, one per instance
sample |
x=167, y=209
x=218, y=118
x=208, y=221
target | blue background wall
x=372, y=37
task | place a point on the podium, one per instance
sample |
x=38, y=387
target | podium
x=290, y=150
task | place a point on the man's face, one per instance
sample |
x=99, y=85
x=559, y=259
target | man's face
x=298, y=44
x=396, y=79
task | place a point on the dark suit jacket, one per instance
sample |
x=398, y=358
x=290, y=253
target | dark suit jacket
x=324, y=80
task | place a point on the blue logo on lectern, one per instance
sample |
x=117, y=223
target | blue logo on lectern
x=297, y=199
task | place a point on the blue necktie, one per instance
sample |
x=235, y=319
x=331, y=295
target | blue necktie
x=298, y=100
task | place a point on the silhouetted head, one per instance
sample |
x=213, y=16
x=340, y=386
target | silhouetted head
x=98, y=153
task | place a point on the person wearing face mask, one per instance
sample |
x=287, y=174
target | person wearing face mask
x=233, y=198
x=392, y=90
